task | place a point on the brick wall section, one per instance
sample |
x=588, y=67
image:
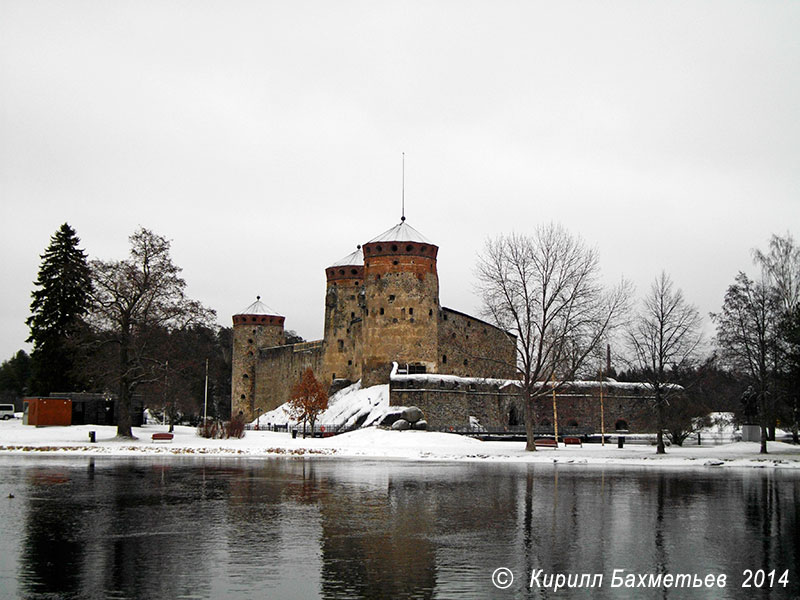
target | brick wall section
x=470, y=347
x=279, y=368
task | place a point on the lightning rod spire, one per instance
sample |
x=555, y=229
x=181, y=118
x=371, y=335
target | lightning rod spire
x=403, y=214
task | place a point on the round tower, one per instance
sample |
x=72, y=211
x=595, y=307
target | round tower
x=257, y=326
x=344, y=305
x=401, y=297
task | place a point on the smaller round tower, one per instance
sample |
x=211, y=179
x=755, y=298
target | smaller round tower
x=344, y=305
x=257, y=326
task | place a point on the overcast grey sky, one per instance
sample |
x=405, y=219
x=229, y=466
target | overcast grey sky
x=265, y=138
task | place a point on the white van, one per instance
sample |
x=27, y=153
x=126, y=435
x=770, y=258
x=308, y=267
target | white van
x=6, y=411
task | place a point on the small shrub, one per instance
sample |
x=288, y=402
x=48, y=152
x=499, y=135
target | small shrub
x=234, y=428
x=210, y=429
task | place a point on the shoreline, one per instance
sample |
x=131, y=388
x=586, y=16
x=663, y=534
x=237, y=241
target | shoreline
x=372, y=443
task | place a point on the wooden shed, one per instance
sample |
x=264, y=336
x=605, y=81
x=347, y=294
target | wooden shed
x=47, y=411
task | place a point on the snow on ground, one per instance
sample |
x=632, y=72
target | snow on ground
x=373, y=442
x=347, y=407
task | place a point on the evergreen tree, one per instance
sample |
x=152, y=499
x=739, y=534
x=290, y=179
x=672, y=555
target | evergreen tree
x=60, y=300
x=14, y=375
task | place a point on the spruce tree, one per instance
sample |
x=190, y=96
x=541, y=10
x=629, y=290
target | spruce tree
x=60, y=300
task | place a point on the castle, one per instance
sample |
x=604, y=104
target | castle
x=381, y=306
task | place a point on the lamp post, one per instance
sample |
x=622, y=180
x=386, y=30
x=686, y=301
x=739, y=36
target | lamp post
x=602, y=413
x=258, y=418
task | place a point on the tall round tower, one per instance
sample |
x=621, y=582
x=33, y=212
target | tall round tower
x=401, y=293
x=344, y=305
x=257, y=326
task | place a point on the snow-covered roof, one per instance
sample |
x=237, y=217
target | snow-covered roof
x=354, y=258
x=402, y=232
x=258, y=308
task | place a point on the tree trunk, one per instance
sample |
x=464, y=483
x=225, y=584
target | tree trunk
x=530, y=421
x=662, y=417
x=762, y=417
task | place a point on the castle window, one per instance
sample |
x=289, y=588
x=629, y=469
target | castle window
x=403, y=313
x=572, y=423
x=394, y=247
x=353, y=272
x=245, y=376
x=410, y=311
x=349, y=363
x=466, y=362
x=391, y=298
x=424, y=248
x=444, y=359
x=366, y=312
x=357, y=283
x=341, y=271
x=250, y=341
x=621, y=425
x=377, y=277
x=250, y=353
x=340, y=344
x=242, y=397
x=394, y=262
x=378, y=248
x=430, y=312
x=444, y=316
x=352, y=315
x=381, y=310
x=409, y=248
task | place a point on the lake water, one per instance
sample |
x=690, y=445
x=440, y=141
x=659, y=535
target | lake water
x=292, y=528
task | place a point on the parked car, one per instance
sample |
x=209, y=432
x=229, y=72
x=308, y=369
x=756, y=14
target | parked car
x=6, y=411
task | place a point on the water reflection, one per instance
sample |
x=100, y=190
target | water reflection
x=345, y=529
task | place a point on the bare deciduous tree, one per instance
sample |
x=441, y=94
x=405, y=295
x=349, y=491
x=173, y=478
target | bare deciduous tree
x=747, y=331
x=134, y=301
x=664, y=336
x=545, y=290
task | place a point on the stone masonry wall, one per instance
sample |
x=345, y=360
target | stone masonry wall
x=279, y=368
x=469, y=347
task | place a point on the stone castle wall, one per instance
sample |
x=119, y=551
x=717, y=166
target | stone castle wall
x=279, y=368
x=449, y=401
x=469, y=347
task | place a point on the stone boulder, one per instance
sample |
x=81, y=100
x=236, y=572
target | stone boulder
x=412, y=414
x=401, y=425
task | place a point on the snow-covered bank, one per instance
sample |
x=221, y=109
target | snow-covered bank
x=349, y=408
x=372, y=442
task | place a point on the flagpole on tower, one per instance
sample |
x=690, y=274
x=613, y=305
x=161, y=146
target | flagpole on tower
x=403, y=213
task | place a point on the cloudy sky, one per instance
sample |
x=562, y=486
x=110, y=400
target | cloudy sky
x=265, y=138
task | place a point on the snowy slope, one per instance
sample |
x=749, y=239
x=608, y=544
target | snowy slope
x=346, y=407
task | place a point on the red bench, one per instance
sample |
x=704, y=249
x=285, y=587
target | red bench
x=545, y=443
x=162, y=437
x=573, y=441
